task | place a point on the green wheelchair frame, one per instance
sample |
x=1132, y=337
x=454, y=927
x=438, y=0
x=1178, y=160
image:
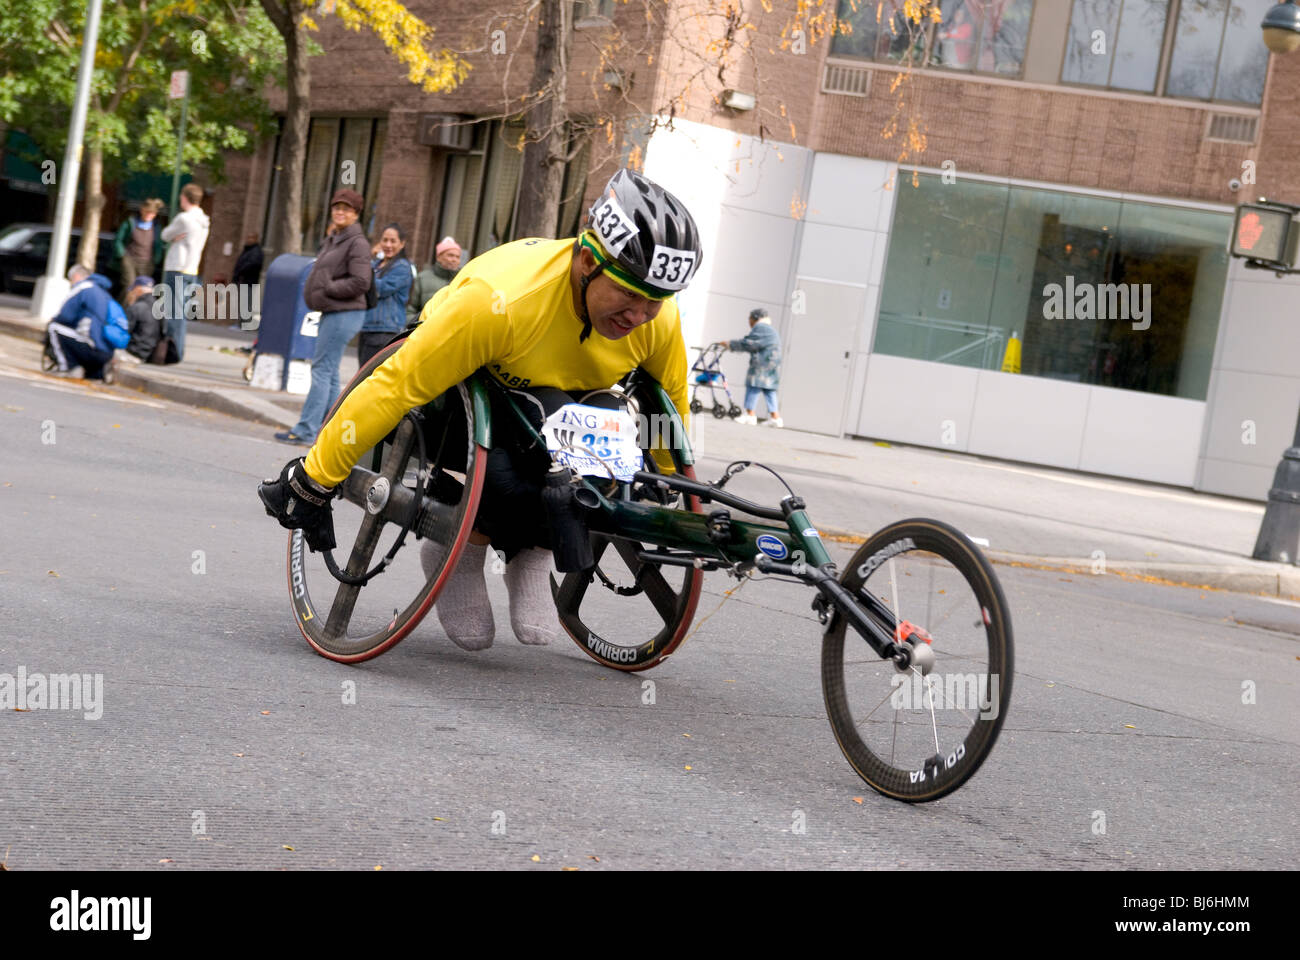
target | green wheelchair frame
x=650, y=536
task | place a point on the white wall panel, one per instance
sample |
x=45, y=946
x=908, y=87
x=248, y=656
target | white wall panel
x=1033, y=419
x=848, y=191
x=1142, y=435
x=909, y=400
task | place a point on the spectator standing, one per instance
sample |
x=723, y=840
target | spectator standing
x=336, y=286
x=75, y=337
x=144, y=319
x=392, y=288
x=764, y=375
x=187, y=234
x=139, y=243
x=248, y=266
x=433, y=278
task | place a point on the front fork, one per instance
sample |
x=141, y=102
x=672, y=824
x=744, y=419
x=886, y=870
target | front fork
x=905, y=644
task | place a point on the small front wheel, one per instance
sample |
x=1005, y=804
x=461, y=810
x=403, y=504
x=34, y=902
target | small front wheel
x=696, y=406
x=920, y=734
x=733, y=411
x=719, y=411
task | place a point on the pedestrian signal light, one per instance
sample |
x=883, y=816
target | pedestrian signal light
x=1267, y=234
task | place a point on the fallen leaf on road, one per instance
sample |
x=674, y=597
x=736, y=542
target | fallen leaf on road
x=285, y=846
x=239, y=754
x=687, y=735
x=536, y=859
x=20, y=709
x=266, y=713
x=733, y=681
x=688, y=766
x=117, y=426
x=590, y=857
x=378, y=867
x=52, y=573
x=440, y=818
x=857, y=799
x=166, y=860
x=568, y=868
x=1129, y=726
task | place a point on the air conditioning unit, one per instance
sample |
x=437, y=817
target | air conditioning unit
x=446, y=131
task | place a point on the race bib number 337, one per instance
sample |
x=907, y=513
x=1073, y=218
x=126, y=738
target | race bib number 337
x=594, y=441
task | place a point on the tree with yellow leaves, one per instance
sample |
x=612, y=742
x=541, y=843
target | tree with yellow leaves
x=405, y=35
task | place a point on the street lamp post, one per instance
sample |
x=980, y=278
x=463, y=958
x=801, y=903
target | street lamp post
x=53, y=287
x=1279, y=532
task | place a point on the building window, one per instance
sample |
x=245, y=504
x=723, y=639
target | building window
x=985, y=36
x=1212, y=53
x=341, y=152
x=480, y=193
x=584, y=10
x=480, y=196
x=1097, y=290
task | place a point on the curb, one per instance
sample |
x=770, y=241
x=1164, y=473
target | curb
x=232, y=402
x=1258, y=577
x=1251, y=576
x=27, y=329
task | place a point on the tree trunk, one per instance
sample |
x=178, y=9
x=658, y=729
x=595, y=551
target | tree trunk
x=545, y=137
x=94, y=206
x=286, y=218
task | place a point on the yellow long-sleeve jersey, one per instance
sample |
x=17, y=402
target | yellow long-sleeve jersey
x=510, y=310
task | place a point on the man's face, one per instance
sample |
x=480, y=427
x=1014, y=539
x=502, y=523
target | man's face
x=148, y=215
x=449, y=259
x=616, y=311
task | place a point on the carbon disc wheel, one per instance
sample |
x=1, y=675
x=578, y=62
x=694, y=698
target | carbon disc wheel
x=918, y=736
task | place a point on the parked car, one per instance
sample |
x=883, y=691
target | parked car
x=25, y=248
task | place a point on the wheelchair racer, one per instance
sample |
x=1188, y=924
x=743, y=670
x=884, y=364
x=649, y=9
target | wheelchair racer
x=526, y=312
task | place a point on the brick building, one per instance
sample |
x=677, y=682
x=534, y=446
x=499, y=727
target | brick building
x=1069, y=144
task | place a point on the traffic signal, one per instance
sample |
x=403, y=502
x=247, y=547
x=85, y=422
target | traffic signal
x=1266, y=233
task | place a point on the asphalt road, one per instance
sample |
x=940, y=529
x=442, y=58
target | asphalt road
x=224, y=741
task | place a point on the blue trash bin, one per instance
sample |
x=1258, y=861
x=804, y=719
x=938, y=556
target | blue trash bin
x=284, y=312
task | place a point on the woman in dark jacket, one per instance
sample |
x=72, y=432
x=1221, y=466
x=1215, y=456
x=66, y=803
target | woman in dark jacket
x=393, y=275
x=336, y=287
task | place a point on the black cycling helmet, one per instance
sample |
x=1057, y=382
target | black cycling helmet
x=643, y=238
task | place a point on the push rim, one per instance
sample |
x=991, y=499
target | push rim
x=357, y=623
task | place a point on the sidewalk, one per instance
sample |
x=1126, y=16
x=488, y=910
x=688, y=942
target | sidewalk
x=211, y=375
x=1021, y=514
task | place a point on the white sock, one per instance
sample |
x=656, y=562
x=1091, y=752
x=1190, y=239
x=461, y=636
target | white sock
x=532, y=609
x=464, y=609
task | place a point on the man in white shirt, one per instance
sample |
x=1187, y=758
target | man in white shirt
x=187, y=234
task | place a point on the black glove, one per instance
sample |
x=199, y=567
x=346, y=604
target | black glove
x=300, y=503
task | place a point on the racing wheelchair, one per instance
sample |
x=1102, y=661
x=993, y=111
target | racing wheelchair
x=916, y=659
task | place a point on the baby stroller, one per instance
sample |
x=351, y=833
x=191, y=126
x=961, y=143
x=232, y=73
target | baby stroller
x=708, y=374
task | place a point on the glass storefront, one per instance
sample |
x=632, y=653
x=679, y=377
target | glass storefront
x=1095, y=289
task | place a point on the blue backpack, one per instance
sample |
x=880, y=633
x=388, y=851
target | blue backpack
x=117, y=332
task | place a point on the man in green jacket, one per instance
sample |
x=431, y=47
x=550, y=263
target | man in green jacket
x=139, y=244
x=433, y=278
